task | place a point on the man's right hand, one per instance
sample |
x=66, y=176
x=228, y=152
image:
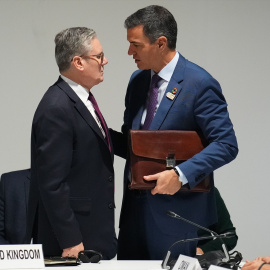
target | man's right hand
x=167, y=182
x=73, y=251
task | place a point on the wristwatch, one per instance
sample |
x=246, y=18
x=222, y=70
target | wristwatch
x=176, y=171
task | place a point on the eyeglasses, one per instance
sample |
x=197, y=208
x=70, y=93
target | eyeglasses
x=96, y=56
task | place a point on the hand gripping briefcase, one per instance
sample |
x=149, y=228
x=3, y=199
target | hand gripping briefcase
x=155, y=151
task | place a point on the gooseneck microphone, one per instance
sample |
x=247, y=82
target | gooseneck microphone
x=213, y=236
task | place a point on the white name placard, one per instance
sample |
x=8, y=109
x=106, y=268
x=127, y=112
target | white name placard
x=21, y=256
x=187, y=263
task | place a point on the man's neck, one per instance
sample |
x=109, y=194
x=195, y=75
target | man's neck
x=73, y=77
x=165, y=59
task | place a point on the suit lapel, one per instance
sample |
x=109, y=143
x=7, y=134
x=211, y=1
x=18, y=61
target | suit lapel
x=166, y=103
x=81, y=108
x=140, y=94
x=136, y=124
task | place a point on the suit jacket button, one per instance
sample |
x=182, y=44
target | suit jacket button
x=111, y=206
x=110, y=179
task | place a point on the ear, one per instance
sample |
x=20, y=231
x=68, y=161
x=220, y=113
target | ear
x=77, y=62
x=162, y=42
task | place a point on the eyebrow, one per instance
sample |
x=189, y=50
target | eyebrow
x=135, y=42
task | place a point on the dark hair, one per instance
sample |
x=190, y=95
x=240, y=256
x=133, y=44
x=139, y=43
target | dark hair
x=157, y=21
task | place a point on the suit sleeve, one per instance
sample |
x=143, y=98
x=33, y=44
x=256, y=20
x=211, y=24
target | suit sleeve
x=212, y=117
x=120, y=139
x=53, y=139
x=120, y=143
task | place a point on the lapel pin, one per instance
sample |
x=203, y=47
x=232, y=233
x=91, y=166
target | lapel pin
x=170, y=96
x=174, y=91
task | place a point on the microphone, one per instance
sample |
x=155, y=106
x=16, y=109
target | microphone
x=213, y=236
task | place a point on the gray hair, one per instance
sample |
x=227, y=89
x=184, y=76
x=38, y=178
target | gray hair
x=71, y=42
x=157, y=21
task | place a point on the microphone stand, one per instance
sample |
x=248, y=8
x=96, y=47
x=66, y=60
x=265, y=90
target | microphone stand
x=166, y=259
x=214, y=234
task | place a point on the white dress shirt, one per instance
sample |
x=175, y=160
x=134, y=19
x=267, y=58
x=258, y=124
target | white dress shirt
x=83, y=94
x=165, y=74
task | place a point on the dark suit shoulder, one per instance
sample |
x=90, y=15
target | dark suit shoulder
x=59, y=94
x=54, y=96
x=13, y=182
x=54, y=102
x=197, y=72
x=139, y=74
x=198, y=80
x=14, y=175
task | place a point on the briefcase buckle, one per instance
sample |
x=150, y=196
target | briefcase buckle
x=170, y=161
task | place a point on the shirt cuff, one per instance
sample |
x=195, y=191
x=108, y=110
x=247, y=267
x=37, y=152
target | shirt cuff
x=182, y=177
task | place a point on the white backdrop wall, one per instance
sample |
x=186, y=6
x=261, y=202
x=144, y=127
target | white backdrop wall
x=228, y=38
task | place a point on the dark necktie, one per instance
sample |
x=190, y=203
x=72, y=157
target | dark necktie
x=100, y=117
x=152, y=102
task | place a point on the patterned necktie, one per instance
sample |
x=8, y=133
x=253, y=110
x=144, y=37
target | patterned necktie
x=152, y=102
x=100, y=117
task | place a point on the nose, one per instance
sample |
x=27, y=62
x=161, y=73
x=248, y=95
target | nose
x=105, y=61
x=130, y=50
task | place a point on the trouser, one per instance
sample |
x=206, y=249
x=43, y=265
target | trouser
x=141, y=239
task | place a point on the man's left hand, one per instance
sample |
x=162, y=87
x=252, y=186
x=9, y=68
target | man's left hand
x=167, y=182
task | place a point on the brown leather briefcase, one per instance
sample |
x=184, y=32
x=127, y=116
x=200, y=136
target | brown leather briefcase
x=152, y=152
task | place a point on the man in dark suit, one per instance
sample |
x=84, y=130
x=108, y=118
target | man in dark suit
x=14, y=190
x=187, y=98
x=71, y=200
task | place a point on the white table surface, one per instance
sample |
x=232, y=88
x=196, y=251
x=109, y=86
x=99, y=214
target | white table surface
x=112, y=265
x=121, y=265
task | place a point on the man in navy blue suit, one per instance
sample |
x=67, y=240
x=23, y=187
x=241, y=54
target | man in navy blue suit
x=188, y=98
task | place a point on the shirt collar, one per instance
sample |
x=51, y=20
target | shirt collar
x=167, y=72
x=82, y=92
